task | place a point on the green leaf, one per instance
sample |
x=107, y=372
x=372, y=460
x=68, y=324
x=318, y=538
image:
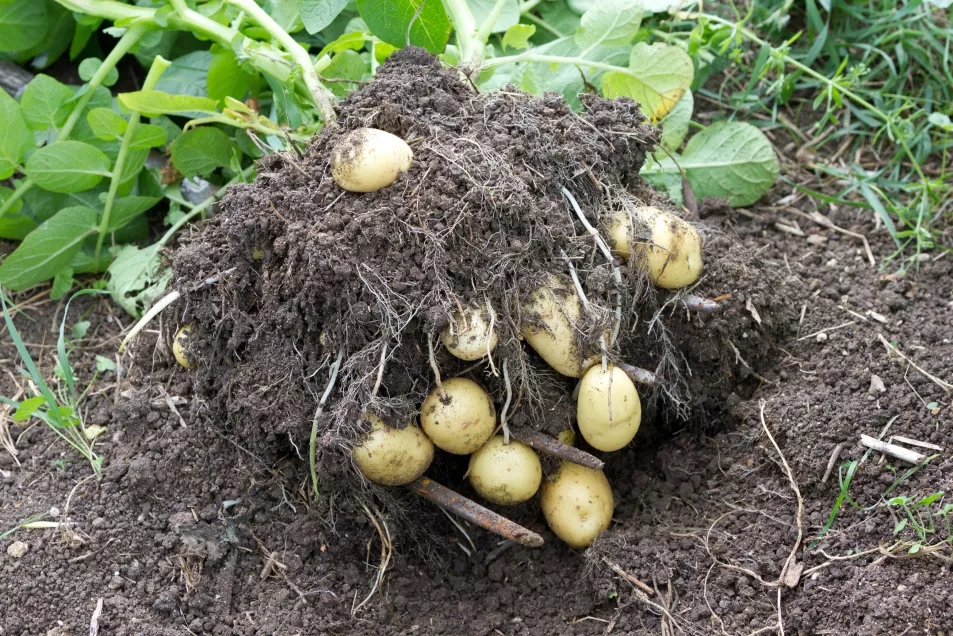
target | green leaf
x=136, y=279
x=62, y=283
x=317, y=14
x=226, y=77
x=15, y=136
x=80, y=329
x=508, y=17
x=560, y=16
x=125, y=209
x=89, y=66
x=27, y=408
x=727, y=160
x=14, y=224
x=389, y=19
x=201, y=150
x=104, y=364
x=354, y=40
x=941, y=121
x=148, y=136
x=45, y=103
x=609, y=23
x=347, y=64
x=21, y=23
x=107, y=124
x=518, y=35
x=67, y=166
x=926, y=501
x=659, y=74
x=675, y=123
x=48, y=249
x=152, y=103
x=187, y=75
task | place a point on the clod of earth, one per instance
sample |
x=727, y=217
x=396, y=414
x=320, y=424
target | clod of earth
x=495, y=233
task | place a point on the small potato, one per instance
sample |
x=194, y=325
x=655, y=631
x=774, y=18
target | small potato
x=505, y=474
x=470, y=337
x=548, y=319
x=608, y=410
x=390, y=456
x=577, y=503
x=179, y=344
x=671, y=254
x=367, y=159
x=461, y=423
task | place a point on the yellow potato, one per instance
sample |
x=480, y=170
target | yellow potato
x=390, y=456
x=461, y=423
x=549, y=317
x=179, y=344
x=608, y=410
x=368, y=159
x=470, y=336
x=577, y=503
x=671, y=252
x=505, y=473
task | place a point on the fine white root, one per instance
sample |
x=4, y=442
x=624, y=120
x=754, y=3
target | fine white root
x=637, y=374
x=380, y=371
x=489, y=341
x=154, y=311
x=616, y=272
x=506, y=404
x=575, y=282
x=436, y=369
x=312, y=450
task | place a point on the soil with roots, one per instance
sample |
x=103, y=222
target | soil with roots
x=205, y=522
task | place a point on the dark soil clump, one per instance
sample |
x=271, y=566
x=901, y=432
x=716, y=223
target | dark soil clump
x=307, y=272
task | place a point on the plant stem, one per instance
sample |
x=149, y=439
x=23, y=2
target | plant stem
x=323, y=98
x=159, y=65
x=471, y=48
x=486, y=29
x=554, y=59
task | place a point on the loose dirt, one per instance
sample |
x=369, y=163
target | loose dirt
x=204, y=522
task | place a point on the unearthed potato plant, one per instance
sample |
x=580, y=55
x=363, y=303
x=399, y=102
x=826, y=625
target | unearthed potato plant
x=473, y=291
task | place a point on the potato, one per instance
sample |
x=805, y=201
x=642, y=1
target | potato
x=549, y=317
x=505, y=473
x=367, y=159
x=390, y=456
x=608, y=410
x=470, y=336
x=179, y=343
x=671, y=252
x=577, y=503
x=461, y=423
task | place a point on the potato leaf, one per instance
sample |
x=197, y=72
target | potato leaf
x=728, y=160
x=148, y=136
x=152, y=103
x=609, y=23
x=136, y=279
x=389, y=19
x=508, y=17
x=21, y=23
x=45, y=103
x=15, y=136
x=201, y=150
x=48, y=249
x=67, y=166
x=518, y=35
x=89, y=66
x=659, y=74
x=226, y=77
x=106, y=123
x=187, y=75
x=675, y=123
x=317, y=14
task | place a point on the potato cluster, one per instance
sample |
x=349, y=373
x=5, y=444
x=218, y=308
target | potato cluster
x=459, y=416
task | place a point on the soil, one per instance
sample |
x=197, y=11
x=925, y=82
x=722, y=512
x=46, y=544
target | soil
x=203, y=522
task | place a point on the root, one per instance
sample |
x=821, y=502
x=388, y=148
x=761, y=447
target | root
x=312, y=447
x=380, y=372
x=506, y=405
x=637, y=374
x=697, y=303
x=436, y=369
x=616, y=272
x=387, y=552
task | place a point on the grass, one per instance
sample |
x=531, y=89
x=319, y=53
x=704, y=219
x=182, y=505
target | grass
x=58, y=408
x=865, y=87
